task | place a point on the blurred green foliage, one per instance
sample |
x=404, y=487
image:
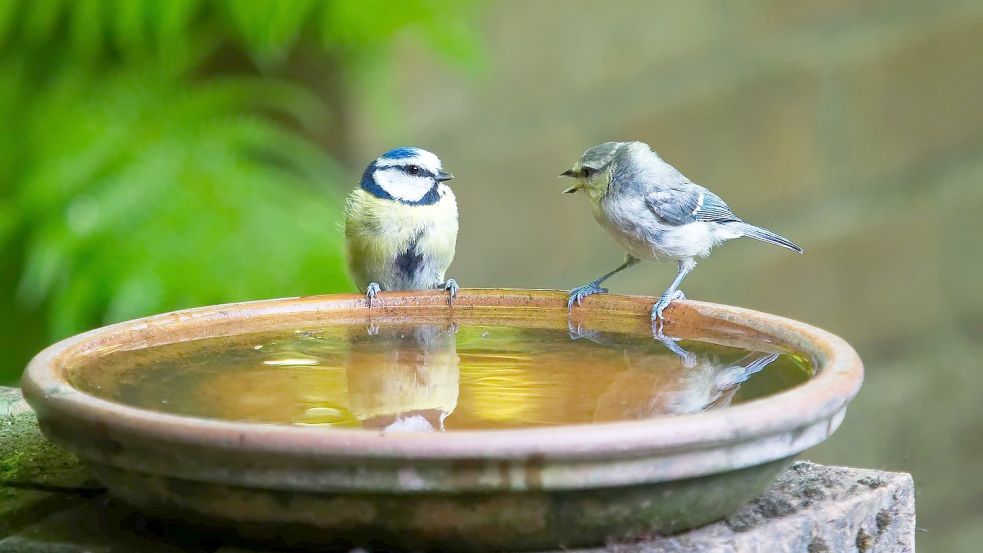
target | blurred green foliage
x=160, y=154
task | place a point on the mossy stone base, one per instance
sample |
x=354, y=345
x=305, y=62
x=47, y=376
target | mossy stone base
x=36, y=477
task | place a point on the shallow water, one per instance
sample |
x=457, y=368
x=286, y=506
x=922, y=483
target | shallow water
x=437, y=377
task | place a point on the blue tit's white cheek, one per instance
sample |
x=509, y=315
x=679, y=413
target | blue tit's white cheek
x=403, y=186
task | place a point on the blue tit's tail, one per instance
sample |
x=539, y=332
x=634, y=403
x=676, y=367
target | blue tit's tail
x=764, y=235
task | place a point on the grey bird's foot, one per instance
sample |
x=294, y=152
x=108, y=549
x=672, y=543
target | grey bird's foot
x=371, y=291
x=581, y=292
x=450, y=285
x=657, y=318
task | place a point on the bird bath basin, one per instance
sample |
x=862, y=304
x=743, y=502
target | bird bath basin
x=500, y=423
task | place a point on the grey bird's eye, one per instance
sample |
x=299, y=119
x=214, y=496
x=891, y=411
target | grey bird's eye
x=587, y=172
x=413, y=169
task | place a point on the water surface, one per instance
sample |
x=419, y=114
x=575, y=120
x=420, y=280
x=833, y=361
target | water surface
x=430, y=377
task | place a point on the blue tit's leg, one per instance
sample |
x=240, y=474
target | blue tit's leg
x=371, y=291
x=672, y=293
x=450, y=285
x=594, y=286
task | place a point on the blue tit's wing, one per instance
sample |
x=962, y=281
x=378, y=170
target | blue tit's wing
x=688, y=203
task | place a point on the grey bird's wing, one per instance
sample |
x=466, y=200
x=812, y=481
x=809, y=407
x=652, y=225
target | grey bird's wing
x=685, y=203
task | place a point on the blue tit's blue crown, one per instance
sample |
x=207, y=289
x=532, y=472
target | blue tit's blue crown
x=403, y=152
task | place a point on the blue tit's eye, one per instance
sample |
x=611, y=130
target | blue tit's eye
x=413, y=169
x=588, y=171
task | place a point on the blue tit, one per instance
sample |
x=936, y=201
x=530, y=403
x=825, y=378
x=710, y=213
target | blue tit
x=655, y=213
x=401, y=224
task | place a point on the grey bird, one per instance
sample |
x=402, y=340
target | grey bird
x=655, y=213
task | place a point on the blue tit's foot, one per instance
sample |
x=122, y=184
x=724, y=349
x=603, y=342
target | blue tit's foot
x=658, y=319
x=372, y=329
x=450, y=286
x=581, y=292
x=371, y=291
x=576, y=331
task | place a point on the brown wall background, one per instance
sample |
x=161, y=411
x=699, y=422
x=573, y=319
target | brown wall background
x=853, y=127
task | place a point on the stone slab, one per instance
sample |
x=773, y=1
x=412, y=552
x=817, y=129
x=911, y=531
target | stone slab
x=811, y=508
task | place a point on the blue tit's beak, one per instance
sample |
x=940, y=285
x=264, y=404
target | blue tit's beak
x=443, y=176
x=568, y=173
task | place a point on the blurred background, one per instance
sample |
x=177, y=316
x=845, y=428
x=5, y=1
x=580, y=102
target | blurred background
x=160, y=154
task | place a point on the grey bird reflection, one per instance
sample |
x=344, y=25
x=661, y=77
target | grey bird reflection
x=403, y=378
x=649, y=387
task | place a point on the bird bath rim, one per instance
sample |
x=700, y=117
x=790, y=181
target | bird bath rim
x=755, y=432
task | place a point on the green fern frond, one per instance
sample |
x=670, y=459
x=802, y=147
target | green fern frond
x=156, y=155
x=179, y=164
x=269, y=28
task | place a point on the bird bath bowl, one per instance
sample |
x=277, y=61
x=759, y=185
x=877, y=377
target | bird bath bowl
x=502, y=422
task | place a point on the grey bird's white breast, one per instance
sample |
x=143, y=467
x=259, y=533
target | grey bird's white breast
x=637, y=229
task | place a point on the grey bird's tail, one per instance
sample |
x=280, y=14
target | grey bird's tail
x=764, y=235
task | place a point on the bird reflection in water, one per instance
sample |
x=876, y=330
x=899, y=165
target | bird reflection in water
x=407, y=378
x=430, y=376
x=648, y=387
x=403, y=378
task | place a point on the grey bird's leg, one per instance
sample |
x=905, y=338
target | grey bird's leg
x=450, y=285
x=688, y=357
x=671, y=293
x=594, y=286
x=371, y=291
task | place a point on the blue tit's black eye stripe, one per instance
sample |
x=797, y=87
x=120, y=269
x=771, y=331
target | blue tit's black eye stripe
x=415, y=171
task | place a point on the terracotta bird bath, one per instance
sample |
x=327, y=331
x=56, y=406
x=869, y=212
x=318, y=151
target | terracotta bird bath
x=518, y=488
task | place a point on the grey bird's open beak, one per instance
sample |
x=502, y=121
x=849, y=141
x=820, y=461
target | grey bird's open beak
x=574, y=188
x=443, y=176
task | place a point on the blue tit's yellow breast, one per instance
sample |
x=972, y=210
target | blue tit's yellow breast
x=379, y=231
